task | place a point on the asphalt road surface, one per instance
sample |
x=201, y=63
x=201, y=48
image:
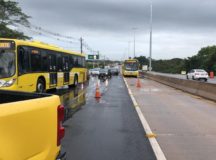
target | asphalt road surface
x=108, y=129
x=184, y=124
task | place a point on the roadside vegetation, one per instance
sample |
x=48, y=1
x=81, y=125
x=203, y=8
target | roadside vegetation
x=10, y=16
x=205, y=59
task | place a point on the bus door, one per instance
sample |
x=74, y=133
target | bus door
x=52, y=70
x=66, y=70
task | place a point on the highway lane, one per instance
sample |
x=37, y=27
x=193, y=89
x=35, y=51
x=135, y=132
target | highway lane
x=184, y=124
x=108, y=129
x=180, y=76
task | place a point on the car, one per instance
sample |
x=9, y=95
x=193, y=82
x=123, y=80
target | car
x=94, y=71
x=197, y=74
x=114, y=71
x=104, y=74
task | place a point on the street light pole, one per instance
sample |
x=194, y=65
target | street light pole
x=134, y=41
x=129, y=49
x=150, y=44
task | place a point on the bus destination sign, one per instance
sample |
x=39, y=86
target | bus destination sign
x=6, y=45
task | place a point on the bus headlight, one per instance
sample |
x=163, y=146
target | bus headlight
x=9, y=83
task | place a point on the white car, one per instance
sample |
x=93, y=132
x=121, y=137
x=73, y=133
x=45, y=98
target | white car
x=94, y=71
x=197, y=74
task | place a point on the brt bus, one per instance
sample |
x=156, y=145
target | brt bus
x=130, y=67
x=35, y=66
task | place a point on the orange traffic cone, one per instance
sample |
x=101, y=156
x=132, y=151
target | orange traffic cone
x=97, y=93
x=138, y=84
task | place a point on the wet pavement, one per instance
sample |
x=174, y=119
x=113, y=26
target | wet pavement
x=184, y=123
x=107, y=129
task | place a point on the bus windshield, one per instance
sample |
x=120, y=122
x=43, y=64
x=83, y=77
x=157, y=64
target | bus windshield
x=131, y=66
x=7, y=63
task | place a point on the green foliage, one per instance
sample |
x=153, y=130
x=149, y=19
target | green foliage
x=205, y=59
x=6, y=32
x=11, y=14
x=142, y=60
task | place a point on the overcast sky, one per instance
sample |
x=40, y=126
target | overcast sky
x=180, y=28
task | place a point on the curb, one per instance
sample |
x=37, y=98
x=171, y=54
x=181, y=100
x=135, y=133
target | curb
x=149, y=134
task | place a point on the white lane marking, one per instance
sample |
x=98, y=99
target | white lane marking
x=154, y=144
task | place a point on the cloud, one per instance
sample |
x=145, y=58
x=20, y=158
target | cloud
x=112, y=20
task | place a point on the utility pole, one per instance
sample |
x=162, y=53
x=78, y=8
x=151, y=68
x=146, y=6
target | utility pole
x=150, y=44
x=81, y=45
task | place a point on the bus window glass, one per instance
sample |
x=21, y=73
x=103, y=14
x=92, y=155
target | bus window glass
x=83, y=62
x=23, y=60
x=7, y=64
x=35, y=60
x=66, y=63
x=76, y=61
x=130, y=66
x=71, y=62
x=44, y=61
x=59, y=63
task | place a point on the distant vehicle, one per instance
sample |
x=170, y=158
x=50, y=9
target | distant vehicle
x=114, y=71
x=36, y=67
x=105, y=74
x=197, y=74
x=145, y=68
x=94, y=71
x=130, y=67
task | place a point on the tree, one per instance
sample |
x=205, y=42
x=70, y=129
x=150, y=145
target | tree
x=11, y=14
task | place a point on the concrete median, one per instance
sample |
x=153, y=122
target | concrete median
x=206, y=90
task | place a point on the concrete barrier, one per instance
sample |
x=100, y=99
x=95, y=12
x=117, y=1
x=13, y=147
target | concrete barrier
x=206, y=90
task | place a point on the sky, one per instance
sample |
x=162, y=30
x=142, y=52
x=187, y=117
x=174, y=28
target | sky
x=180, y=28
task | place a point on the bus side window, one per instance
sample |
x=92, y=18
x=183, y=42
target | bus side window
x=83, y=62
x=35, y=60
x=71, y=62
x=59, y=63
x=23, y=60
x=66, y=63
x=79, y=62
x=44, y=61
x=76, y=61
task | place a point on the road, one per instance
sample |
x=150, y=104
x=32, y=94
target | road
x=180, y=76
x=184, y=124
x=108, y=129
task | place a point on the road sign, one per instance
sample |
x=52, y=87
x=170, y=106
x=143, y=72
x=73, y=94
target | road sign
x=93, y=57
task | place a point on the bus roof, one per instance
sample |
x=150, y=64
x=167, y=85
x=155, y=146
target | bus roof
x=42, y=45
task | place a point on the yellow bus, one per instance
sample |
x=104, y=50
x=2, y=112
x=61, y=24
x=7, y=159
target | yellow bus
x=130, y=67
x=36, y=67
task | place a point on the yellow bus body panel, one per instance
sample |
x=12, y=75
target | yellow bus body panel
x=28, y=129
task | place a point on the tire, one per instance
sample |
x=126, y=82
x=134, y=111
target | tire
x=40, y=88
x=193, y=78
x=187, y=77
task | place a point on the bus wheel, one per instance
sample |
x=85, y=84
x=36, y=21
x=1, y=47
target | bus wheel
x=40, y=86
x=75, y=80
